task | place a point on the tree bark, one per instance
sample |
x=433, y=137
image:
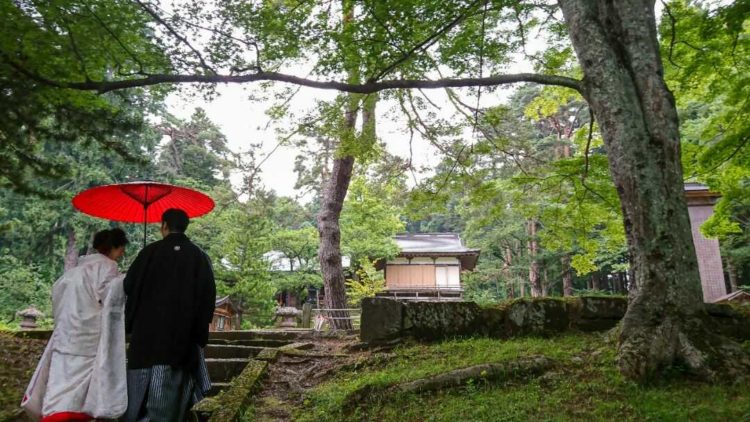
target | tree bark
x=506, y=273
x=534, y=281
x=733, y=276
x=596, y=281
x=666, y=321
x=329, y=251
x=71, y=249
x=567, y=276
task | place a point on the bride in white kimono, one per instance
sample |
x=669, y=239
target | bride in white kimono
x=81, y=375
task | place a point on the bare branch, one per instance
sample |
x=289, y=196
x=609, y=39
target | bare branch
x=366, y=88
x=117, y=39
x=588, y=145
x=228, y=35
x=427, y=42
x=673, y=36
x=76, y=51
x=176, y=34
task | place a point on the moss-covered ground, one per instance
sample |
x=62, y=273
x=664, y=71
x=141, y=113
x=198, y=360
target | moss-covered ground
x=584, y=385
x=18, y=359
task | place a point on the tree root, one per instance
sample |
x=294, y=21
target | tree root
x=645, y=353
x=489, y=372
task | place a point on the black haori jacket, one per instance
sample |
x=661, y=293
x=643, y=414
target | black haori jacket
x=171, y=298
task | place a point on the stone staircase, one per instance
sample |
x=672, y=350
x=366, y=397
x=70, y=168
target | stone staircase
x=229, y=353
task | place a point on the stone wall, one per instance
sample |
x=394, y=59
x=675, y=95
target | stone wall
x=385, y=319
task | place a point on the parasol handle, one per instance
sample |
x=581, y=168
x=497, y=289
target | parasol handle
x=145, y=216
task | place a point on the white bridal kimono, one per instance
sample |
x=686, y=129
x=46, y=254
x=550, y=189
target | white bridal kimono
x=82, y=369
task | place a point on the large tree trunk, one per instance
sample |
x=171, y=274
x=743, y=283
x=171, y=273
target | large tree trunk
x=596, y=281
x=71, y=249
x=507, y=257
x=329, y=251
x=666, y=321
x=334, y=193
x=567, y=276
x=534, y=281
x=733, y=276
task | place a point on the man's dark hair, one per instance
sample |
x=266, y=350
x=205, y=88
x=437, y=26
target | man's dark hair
x=106, y=240
x=176, y=220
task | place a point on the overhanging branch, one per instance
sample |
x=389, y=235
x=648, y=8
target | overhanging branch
x=366, y=88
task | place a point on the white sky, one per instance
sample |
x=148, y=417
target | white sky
x=244, y=121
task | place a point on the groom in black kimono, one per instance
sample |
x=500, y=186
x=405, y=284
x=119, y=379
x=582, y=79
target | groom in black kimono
x=171, y=298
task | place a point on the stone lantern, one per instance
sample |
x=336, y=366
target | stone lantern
x=29, y=317
x=288, y=316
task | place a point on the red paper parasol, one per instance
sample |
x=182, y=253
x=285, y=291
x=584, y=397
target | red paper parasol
x=141, y=202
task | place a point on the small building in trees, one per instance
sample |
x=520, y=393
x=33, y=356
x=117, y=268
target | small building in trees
x=700, y=202
x=225, y=316
x=295, y=294
x=428, y=266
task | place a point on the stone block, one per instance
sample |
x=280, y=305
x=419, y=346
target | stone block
x=541, y=316
x=223, y=370
x=218, y=351
x=493, y=322
x=382, y=319
x=268, y=354
x=437, y=320
x=599, y=307
x=230, y=403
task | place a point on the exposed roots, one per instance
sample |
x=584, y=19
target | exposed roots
x=490, y=372
x=645, y=353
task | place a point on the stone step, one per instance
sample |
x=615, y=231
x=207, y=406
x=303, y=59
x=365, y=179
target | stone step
x=217, y=387
x=250, y=342
x=233, y=351
x=223, y=370
x=230, y=405
x=288, y=334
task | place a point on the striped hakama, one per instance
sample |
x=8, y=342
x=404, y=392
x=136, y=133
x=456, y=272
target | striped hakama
x=164, y=393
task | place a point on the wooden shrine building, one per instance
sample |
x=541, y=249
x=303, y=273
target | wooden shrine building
x=428, y=267
x=225, y=316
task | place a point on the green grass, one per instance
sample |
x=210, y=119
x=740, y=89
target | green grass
x=585, y=386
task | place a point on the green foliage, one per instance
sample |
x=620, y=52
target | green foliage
x=535, y=161
x=366, y=283
x=38, y=119
x=236, y=236
x=369, y=220
x=21, y=286
x=36, y=232
x=196, y=149
x=707, y=61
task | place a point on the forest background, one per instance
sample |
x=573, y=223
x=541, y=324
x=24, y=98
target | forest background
x=525, y=180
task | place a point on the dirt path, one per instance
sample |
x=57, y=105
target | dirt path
x=292, y=374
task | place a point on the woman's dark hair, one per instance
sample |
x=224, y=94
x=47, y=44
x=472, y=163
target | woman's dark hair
x=106, y=240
